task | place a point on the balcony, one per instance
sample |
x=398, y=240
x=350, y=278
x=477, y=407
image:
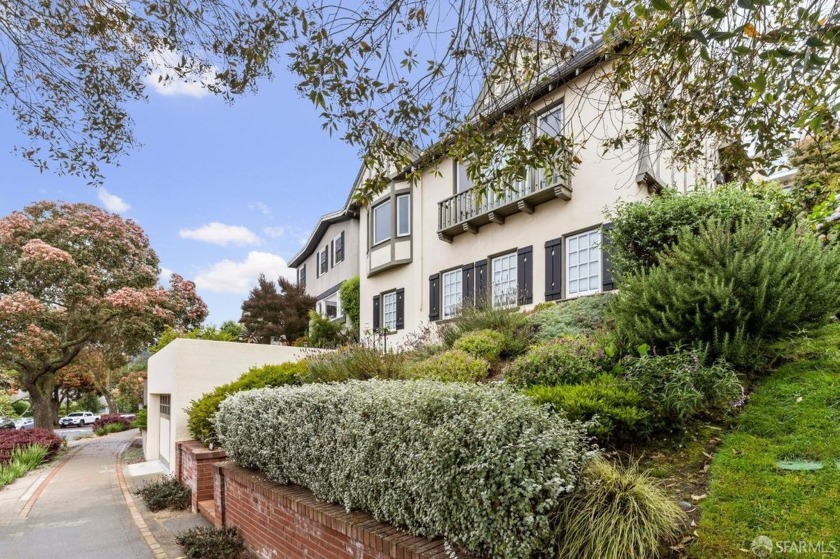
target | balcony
x=467, y=211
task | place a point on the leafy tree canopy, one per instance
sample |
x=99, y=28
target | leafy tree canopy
x=276, y=311
x=229, y=332
x=73, y=276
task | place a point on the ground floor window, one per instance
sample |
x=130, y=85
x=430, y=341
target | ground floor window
x=389, y=311
x=503, y=275
x=583, y=255
x=452, y=293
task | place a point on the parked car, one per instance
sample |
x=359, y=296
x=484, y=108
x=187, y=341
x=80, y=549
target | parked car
x=77, y=419
x=25, y=423
x=6, y=423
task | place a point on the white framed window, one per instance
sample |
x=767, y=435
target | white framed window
x=382, y=222
x=552, y=123
x=389, y=311
x=503, y=274
x=452, y=293
x=462, y=181
x=338, y=249
x=323, y=263
x=403, y=215
x=583, y=268
x=330, y=306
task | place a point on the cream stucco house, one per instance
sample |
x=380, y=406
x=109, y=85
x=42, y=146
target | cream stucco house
x=428, y=248
x=329, y=257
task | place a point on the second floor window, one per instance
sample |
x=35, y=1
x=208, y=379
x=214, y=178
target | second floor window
x=403, y=215
x=382, y=222
x=302, y=276
x=323, y=264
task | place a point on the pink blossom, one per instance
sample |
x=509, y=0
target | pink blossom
x=19, y=303
x=36, y=249
x=14, y=224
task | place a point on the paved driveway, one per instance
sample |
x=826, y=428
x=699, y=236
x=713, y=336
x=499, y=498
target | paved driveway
x=73, y=510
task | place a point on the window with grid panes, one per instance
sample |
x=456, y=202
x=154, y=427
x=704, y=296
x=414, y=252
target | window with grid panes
x=583, y=257
x=389, y=311
x=503, y=276
x=452, y=293
x=165, y=404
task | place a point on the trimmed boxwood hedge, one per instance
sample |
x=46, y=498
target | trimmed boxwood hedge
x=479, y=465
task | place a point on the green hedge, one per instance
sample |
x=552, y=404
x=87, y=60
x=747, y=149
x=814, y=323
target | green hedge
x=730, y=291
x=454, y=365
x=479, y=465
x=612, y=404
x=562, y=361
x=202, y=412
x=642, y=230
x=482, y=344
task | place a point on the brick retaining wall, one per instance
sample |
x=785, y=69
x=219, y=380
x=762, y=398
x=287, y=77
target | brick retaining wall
x=194, y=468
x=288, y=522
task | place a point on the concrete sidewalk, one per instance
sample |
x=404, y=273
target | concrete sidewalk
x=75, y=509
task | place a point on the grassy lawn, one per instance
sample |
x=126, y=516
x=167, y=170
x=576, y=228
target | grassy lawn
x=793, y=414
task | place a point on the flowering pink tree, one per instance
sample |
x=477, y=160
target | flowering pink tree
x=73, y=276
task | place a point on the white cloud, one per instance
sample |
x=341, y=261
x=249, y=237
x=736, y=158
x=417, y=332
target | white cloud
x=261, y=207
x=275, y=232
x=164, y=80
x=112, y=202
x=228, y=276
x=220, y=234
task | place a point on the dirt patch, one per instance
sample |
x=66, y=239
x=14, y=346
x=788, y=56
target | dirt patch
x=134, y=453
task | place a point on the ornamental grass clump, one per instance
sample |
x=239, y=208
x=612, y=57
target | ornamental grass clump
x=619, y=513
x=355, y=362
x=479, y=465
x=11, y=439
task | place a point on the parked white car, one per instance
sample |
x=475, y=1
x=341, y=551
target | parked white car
x=77, y=419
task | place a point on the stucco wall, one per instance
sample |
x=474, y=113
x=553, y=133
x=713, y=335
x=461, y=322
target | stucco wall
x=315, y=286
x=186, y=369
x=599, y=182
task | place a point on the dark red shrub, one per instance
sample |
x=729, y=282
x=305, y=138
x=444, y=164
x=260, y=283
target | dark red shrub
x=112, y=418
x=11, y=439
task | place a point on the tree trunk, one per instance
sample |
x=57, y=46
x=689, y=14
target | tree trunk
x=110, y=401
x=40, y=394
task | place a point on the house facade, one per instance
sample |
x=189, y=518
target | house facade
x=328, y=258
x=428, y=248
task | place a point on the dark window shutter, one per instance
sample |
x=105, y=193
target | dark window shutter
x=554, y=269
x=400, y=309
x=332, y=254
x=340, y=248
x=525, y=275
x=376, y=312
x=607, y=283
x=434, y=297
x=468, y=284
x=481, y=282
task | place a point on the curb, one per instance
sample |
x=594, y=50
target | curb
x=148, y=537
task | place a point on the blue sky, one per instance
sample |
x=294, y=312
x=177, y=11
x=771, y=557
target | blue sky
x=223, y=191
